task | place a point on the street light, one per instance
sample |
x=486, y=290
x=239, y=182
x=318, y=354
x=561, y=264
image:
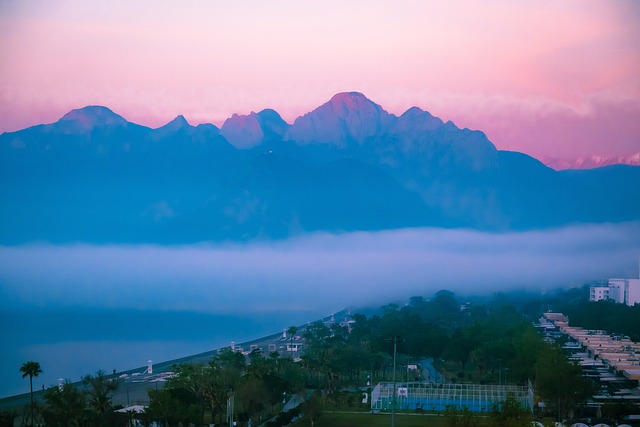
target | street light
x=230, y=404
x=395, y=340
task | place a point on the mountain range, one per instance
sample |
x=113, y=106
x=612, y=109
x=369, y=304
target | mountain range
x=348, y=165
x=591, y=162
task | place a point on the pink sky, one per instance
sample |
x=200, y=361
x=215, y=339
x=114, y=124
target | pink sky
x=559, y=79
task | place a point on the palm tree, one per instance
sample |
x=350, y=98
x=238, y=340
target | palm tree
x=100, y=390
x=30, y=369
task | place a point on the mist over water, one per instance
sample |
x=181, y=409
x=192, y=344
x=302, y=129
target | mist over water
x=187, y=299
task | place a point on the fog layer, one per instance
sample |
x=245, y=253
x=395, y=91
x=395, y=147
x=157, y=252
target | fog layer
x=316, y=273
x=80, y=308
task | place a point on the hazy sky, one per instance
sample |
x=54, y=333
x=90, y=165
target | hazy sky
x=548, y=78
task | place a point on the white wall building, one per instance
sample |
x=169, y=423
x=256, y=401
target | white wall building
x=599, y=293
x=617, y=290
x=633, y=292
x=622, y=291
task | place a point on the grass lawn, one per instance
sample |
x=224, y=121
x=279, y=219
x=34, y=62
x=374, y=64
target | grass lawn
x=329, y=419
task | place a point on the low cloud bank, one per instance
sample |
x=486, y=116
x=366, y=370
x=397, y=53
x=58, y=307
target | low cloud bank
x=320, y=272
x=117, y=306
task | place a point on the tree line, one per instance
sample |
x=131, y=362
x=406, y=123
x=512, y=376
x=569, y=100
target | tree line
x=68, y=405
x=488, y=341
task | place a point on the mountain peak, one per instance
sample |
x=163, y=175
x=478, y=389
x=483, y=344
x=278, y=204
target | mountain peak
x=349, y=103
x=414, y=112
x=272, y=124
x=269, y=114
x=171, y=128
x=177, y=123
x=419, y=119
x=247, y=131
x=91, y=116
x=350, y=100
x=242, y=131
x=348, y=117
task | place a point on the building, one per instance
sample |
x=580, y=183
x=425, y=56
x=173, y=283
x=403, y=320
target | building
x=633, y=292
x=611, y=359
x=622, y=291
x=599, y=293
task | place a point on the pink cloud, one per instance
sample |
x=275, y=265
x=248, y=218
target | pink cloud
x=606, y=126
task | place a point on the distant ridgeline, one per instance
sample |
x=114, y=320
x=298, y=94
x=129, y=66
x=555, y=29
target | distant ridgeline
x=348, y=165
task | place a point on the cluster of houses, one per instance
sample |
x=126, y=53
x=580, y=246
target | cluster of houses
x=612, y=360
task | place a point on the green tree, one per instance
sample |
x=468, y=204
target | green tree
x=209, y=383
x=174, y=406
x=460, y=417
x=446, y=301
x=320, y=352
x=560, y=382
x=162, y=407
x=254, y=397
x=509, y=413
x=312, y=409
x=100, y=390
x=204, y=381
x=30, y=369
x=7, y=418
x=293, y=378
x=460, y=346
x=274, y=360
x=65, y=406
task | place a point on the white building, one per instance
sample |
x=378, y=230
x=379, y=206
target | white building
x=633, y=292
x=599, y=293
x=622, y=291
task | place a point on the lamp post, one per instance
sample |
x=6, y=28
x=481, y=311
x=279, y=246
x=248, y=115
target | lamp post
x=230, y=404
x=395, y=340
